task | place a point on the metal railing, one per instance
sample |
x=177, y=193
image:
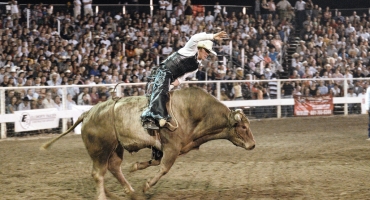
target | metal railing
x=248, y=105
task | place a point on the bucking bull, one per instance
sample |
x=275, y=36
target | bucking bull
x=113, y=126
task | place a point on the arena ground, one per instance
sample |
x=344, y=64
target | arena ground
x=295, y=158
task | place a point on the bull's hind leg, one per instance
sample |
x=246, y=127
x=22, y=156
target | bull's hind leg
x=169, y=156
x=114, y=166
x=100, y=148
x=98, y=172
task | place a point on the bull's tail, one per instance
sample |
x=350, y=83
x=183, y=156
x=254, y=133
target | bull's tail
x=48, y=144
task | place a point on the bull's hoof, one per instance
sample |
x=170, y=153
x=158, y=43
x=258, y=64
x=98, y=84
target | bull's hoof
x=134, y=167
x=146, y=187
x=129, y=190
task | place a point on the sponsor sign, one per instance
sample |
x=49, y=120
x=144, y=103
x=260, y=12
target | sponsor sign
x=313, y=106
x=29, y=120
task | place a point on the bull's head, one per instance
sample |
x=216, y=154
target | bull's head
x=240, y=133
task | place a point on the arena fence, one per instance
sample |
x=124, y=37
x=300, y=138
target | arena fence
x=278, y=107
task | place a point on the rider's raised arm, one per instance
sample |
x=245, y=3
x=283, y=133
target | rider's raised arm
x=190, y=47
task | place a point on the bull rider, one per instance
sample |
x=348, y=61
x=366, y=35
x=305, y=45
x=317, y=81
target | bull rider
x=172, y=72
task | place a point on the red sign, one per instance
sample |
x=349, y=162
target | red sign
x=313, y=106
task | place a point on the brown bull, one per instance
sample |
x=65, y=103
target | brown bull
x=110, y=127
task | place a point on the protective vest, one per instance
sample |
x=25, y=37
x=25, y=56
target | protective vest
x=180, y=65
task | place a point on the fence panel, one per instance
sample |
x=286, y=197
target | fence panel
x=276, y=105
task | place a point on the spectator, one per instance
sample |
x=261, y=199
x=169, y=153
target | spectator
x=272, y=7
x=54, y=79
x=257, y=8
x=85, y=92
x=224, y=96
x=169, y=8
x=287, y=93
x=274, y=58
x=88, y=7
x=167, y=50
x=179, y=10
x=14, y=9
x=283, y=6
x=70, y=102
x=162, y=6
x=25, y=104
x=264, y=8
x=323, y=89
x=94, y=95
x=85, y=100
x=48, y=102
x=357, y=89
x=12, y=106
x=188, y=11
x=237, y=91
x=259, y=109
x=209, y=17
x=95, y=71
x=335, y=91
x=351, y=106
x=309, y=6
x=217, y=10
x=9, y=96
x=77, y=8
x=57, y=103
x=39, y=102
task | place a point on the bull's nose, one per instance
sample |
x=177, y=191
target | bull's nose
x=252, y=147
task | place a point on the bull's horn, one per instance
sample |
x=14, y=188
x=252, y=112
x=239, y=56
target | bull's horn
x=237, y=117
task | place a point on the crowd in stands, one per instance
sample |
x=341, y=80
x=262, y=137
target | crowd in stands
x=107, y=48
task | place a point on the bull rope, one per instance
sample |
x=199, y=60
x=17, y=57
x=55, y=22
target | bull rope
x=113, y=113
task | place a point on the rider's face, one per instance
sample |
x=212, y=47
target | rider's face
x=203, y=54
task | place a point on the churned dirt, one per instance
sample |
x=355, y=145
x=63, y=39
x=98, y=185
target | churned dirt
x=295, y=158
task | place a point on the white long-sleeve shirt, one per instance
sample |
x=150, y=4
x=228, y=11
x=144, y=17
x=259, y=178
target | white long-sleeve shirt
x=190, y=49
x=299, y=5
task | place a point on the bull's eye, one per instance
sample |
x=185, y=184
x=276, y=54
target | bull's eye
x=244, y=127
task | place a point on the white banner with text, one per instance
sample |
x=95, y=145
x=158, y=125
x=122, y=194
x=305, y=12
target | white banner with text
x=29, y=120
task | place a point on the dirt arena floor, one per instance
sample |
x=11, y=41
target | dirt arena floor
x=295, y=158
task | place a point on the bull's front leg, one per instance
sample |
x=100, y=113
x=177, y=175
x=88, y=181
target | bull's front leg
x=196, y=144
x=144, y=165
x=156, y=160
x=169, y=156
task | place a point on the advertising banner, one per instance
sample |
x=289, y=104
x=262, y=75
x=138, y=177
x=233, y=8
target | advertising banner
x=313, y=106
x=29, y=120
